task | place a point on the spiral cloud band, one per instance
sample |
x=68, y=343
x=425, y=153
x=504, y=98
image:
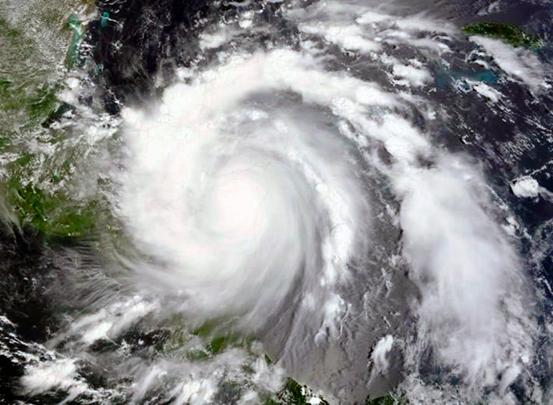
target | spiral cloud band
x=279, y=201
x=250, y=187
x=250, y=198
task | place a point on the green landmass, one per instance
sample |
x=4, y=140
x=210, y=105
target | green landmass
x=293, y=393
x=508, y=33
x=31, y=77
x=52, y=215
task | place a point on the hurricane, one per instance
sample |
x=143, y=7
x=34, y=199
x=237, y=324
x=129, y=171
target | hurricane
x=289, y=202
